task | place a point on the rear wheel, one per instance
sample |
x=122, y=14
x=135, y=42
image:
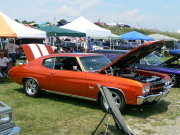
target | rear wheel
x=118, y=98
x=31, y=88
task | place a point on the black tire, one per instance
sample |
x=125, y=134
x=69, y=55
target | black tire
x=31, y=88
x=119, y=99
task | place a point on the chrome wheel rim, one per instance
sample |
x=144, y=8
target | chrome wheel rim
x=116, y=98
x=31, y=87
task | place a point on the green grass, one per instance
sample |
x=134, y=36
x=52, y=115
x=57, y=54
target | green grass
x=54, y=114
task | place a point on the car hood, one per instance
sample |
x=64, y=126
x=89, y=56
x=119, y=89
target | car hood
x=166, y=70
x=134, y=55
x=34, y=51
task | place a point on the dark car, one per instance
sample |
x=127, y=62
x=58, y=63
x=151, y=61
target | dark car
x=152, y=62
x=7, y=126
x=20, y=54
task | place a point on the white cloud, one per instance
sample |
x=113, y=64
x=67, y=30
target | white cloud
x=40, y=3
x=89, y=4
x=170, y=7
x=132, y=16
x=75, y=7
x=68, y=10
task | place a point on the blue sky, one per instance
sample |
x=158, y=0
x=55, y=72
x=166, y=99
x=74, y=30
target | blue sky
x=159, y=14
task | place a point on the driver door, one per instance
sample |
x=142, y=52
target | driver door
x=65, y=78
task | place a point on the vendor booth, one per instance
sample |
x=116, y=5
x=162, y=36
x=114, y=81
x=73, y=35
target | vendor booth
x=83, y=25
x=12, y=29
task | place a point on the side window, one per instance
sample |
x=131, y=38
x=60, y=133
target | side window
x=49, y=63
x=59, y=65
x=70, y=63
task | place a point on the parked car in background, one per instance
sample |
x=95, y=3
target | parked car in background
x=7, y=126
x=171, y=66
x=78, y=74
x=152, y=62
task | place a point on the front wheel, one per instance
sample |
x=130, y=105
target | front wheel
x=31, y=88
x=118, y=98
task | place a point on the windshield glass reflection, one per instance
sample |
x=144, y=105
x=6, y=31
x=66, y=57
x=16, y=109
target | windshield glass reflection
x=94, y=63
x=153, y=59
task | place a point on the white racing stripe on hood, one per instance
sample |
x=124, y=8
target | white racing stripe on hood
x=43, y=49
x=35, y=50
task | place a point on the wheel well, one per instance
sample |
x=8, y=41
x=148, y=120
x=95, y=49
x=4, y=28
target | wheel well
x=99, y=94
x=24, y=79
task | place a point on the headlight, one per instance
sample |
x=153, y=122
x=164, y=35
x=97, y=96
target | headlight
x=5, y=118
x=145, y=90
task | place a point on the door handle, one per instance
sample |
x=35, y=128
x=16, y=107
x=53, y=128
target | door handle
x=53, y=74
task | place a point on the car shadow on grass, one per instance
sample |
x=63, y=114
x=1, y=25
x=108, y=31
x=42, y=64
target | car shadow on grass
x=71, y=100
x=144, y=111
x=66, y=99
x=5, y=81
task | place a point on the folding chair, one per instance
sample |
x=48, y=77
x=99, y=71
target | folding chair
x=5, y=73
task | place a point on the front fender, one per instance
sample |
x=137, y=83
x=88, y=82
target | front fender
x=130, y=89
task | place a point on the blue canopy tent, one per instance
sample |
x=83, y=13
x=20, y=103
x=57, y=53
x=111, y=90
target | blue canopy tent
x=134, y=35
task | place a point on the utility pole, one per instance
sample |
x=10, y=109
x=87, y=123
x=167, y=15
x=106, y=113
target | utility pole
x=54, y=20
x=112, y=18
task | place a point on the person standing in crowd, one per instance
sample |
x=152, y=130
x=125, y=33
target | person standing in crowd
x=11, y=48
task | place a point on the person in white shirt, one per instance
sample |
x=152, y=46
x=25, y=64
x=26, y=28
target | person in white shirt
x=4, y=63
x=11, y=49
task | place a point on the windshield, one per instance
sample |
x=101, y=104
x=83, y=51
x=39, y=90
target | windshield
x=153, y=59
x=94, y=63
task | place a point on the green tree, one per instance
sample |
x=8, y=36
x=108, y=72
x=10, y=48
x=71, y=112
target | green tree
x=17, y=20
x=24, y=22
x=62, y=22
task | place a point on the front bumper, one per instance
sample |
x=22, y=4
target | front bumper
x=11, y=131
x=154, y=98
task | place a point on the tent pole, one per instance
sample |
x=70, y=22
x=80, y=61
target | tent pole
x=1, y=44
x=110, y=42
x=86, y=44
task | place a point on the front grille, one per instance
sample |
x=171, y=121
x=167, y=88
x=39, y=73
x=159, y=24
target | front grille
x=157, y=83
x=6, y=126
x=156, y=91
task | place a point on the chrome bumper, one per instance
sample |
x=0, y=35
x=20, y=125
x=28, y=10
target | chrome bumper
x=154, y=98
x=12, y=131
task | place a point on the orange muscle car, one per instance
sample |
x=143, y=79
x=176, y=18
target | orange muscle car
x=79, y=73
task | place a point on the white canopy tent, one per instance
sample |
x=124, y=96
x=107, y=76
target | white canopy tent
x=162, y=37
x=12, y=29
x=83, y=25
x=166, y=38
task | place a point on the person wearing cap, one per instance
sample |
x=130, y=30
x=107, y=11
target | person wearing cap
x=11, y=49
x=4, y=63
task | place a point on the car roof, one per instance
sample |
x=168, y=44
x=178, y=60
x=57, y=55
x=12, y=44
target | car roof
x=74, y=54
x=110, y=51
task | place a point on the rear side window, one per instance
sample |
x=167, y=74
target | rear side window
x=62, y=63
x=49, y=63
